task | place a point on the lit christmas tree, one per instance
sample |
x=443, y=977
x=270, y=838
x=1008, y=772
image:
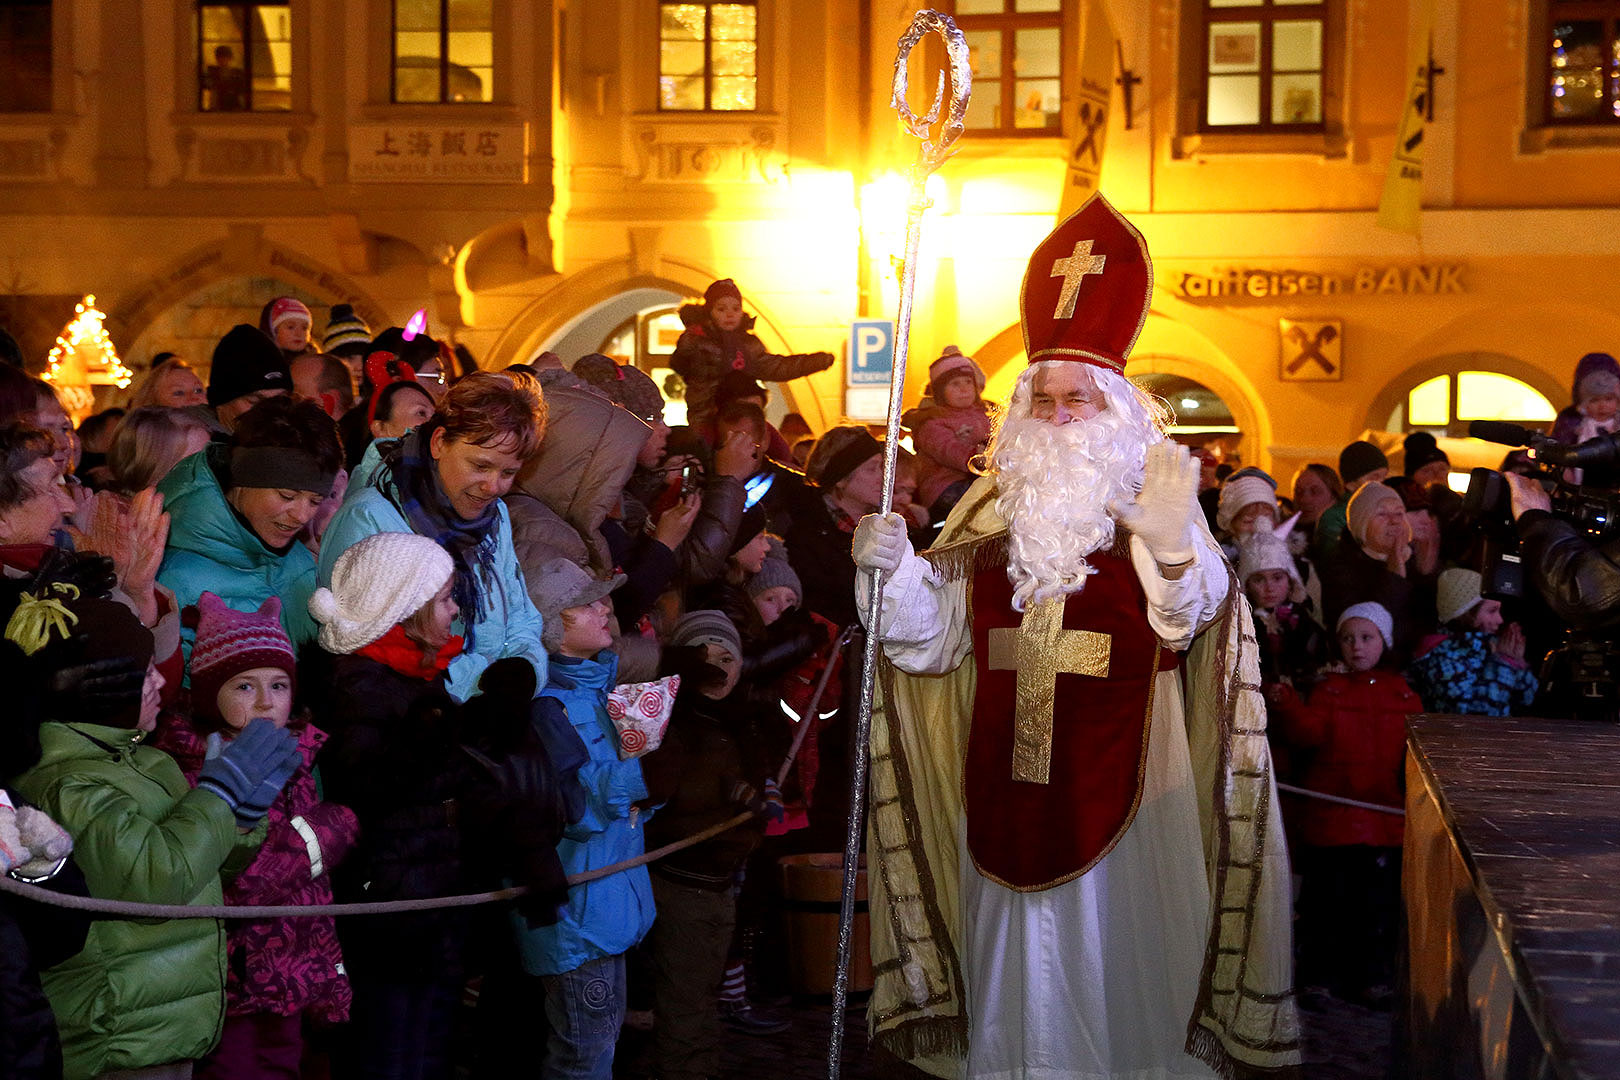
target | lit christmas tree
x=84, y=357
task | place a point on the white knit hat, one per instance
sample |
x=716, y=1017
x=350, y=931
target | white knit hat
x=1375, y=613
x=377, y=584
x=1267, y=549
x=1457, y=593
x=1244, y=488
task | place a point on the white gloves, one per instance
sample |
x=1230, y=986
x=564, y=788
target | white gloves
x=1162, y=513
x=880, y=543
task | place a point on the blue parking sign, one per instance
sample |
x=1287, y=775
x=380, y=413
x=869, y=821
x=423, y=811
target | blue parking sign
x=871, y=352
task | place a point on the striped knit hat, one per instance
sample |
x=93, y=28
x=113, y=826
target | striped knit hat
x=346, y=333
x=230, y=642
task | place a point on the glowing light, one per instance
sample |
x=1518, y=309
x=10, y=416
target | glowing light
x=417, y=324
x=84, y=356
x=1188, y=403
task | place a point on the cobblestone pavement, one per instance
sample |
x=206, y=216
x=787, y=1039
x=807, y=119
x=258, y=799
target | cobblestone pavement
x=1342, y=1042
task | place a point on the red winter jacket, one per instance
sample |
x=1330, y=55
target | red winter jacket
x=1353, y=733
x=282, y=966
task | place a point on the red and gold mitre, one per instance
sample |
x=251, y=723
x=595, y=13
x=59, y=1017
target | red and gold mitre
x=1087, y=289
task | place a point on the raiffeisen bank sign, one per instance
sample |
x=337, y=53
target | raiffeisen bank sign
x=1240, y=283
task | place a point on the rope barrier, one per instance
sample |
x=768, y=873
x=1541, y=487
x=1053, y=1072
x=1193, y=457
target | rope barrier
x=130, y=909
x=1341, y=800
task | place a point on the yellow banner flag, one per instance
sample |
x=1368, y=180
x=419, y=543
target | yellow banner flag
x=1089, y=122
x=1402, y=202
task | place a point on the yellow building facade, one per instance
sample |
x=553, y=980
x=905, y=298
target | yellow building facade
x=559, y=175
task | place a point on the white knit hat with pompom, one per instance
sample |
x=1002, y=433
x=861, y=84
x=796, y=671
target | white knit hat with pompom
x=376, y=585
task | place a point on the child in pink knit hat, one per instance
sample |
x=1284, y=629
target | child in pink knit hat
x=282, y=973
x=949, y=429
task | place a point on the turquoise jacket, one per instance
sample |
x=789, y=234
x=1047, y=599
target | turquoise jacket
x=211, y=549
x=509, y=625
x=609, y=916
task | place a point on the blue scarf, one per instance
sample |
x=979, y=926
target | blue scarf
x=411, y=480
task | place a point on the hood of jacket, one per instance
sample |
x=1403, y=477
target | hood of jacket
x=584, y=462
x=203, y=523
x=571, y=673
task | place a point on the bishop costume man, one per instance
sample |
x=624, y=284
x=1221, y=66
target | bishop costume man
x=1075, y=855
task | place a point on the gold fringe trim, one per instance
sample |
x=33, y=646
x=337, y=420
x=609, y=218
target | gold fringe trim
x=926, y=1037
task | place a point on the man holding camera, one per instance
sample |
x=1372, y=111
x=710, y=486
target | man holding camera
x=1579, y=580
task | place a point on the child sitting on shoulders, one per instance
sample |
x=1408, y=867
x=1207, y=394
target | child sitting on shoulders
x=1475, y=665
x=949, y=428
x=1293, y=646
x=719, y=338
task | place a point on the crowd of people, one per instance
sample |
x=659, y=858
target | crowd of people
x=354, y=621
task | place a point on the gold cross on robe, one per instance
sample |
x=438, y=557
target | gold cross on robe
x=1073, y=270
x=1039, y=650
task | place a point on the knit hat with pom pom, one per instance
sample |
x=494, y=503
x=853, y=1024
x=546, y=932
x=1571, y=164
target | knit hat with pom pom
x=230, y=642
x=376, y=585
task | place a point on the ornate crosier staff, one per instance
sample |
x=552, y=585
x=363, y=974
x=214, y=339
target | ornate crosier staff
x=930, y=156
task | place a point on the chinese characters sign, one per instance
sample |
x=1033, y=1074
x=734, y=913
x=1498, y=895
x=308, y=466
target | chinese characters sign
x=438, y=153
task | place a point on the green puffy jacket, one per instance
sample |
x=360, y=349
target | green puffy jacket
x=211, y=549
x=142, y=992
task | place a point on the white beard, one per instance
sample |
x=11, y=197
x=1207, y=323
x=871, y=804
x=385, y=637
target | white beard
x=1056, y=483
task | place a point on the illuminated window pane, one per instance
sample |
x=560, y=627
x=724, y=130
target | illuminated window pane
x=472, y=15
x=680, y=91
x=1487, y=395
x=984, y=107
x=1576, y=70
x=416, y=15
x=984, y=54
x=1039, y=104
x=733, y=57
x=1037, y=54
x=980, y=7
x=473, y=49
x=733, y=93
x=1296, y=99
x=732, y=22
x=677, y=22
x=1234, y=47
x=1296, y=45
x=1429, y=403
x=681, y=57
x=1234, y=99
x=1234, y=3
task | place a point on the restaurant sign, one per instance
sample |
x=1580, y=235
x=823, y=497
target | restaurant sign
x=438, y=153
x=1250, y=283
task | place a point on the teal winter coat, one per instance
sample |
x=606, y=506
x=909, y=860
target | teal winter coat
x=211, y=549
x=609, y=916
x=143, y=992
x=509, y=625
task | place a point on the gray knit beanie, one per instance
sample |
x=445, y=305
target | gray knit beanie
x=707, y=626
x=772, y=573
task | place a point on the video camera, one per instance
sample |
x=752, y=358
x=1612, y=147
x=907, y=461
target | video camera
x=1591, y=508
x=1581, y=677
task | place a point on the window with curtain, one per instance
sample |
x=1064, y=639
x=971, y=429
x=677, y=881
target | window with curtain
x=708, y=57
x=444, y=51
x=1263, y=64
x=1582, y=43
x=1016, y=50
x=25, y=56
x=244, y=57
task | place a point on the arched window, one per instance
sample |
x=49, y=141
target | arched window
x=1445, y=404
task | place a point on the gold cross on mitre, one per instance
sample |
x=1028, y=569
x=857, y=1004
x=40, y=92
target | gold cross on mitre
x=1039, y=650
x=1073, y=270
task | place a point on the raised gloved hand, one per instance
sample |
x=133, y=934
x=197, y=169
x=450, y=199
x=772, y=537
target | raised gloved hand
x=1162, y=512
x=249, y=771
x=880, y=543
x=89, y=691
x=92, y=574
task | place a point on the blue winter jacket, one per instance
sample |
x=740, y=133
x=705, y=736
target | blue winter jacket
x=609, y=916
x=509, y=624
x=211, y=549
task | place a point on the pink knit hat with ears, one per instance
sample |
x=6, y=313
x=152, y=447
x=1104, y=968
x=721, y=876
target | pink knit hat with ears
x=952, y=362
x=230, y=642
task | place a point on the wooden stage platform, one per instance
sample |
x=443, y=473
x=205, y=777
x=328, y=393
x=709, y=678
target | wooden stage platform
x=1512, y=883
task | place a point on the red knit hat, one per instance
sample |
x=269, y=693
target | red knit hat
x=230, y=642
x=723, y=287
x=1087, y=289
x=288, y=307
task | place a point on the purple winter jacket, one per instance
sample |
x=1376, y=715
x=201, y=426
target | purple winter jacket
x=282, y=966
